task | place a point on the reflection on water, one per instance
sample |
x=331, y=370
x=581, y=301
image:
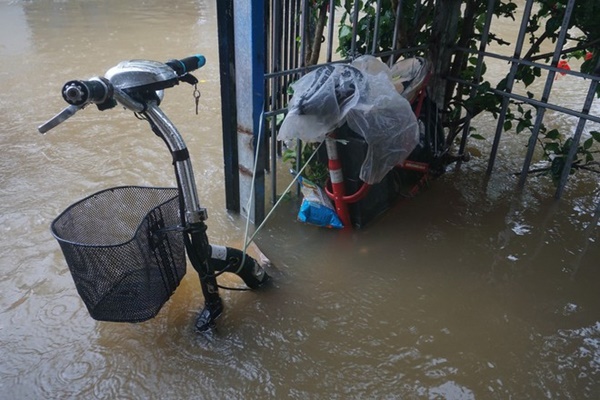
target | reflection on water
x=464, y=292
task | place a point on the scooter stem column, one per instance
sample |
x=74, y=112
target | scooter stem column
x=197, y=244
x=181, y=161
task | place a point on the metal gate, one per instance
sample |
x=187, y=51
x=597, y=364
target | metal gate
x=300, y=35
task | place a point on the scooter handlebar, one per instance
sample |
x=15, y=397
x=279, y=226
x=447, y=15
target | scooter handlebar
x=100, y=91
x=79, y=93
x=188, y=64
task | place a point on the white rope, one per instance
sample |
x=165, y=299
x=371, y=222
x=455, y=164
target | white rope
x=296, y=177
x=247, y=240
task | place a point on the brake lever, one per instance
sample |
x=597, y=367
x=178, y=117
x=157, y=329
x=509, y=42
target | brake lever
x=188, y=78
x=59, y=118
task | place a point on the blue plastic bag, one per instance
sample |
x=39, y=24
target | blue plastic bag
x=316, y=208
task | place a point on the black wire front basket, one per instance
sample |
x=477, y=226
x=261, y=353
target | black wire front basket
x=123, y=250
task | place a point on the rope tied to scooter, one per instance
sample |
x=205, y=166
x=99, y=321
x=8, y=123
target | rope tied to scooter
x=249, y=239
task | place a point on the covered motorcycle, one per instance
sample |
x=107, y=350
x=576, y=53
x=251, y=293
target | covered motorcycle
x=361, y=95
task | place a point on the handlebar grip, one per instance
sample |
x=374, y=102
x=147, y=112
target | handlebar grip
x=188, y=64
x=78, y=93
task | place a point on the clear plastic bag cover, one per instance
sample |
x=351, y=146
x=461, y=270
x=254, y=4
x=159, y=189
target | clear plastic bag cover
x=408, y=76
x=362, y=95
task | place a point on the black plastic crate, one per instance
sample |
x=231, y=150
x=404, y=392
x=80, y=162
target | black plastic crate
x=381, y=196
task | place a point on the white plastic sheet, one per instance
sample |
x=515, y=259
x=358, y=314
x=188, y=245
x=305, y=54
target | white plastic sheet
x=363, y=96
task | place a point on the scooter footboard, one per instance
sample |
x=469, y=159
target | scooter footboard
x=227, y=259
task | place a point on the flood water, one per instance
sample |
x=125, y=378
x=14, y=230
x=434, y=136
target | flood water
x=467, y=291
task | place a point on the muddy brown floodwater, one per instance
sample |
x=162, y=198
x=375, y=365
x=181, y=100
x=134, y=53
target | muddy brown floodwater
x=468, y=291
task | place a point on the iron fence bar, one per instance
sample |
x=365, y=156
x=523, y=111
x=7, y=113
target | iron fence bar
x=272, y=113
x=285, y=39
x=330, y=30
x=277, y=33
x=533, y=102
x=268, y=55
x=418, y=9
x=300, y=70
x=577, y=136
x=278, y=52
x=345, y=61
x=396, y=29
x=303, y=29
x=477, y=77
x=376, y=31
x=296, y=32
x=509, y=85
x=259, y=14
x=399, y=51
x=354, y=28
x=228, y=103
x=284, y=32
x=293, y=32
x=528, y=63
x=546, y=94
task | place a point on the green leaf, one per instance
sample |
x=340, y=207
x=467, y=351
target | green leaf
x=588, y=143
x=507, y=125
x=522, y=125
x=589, y=157
x=484, y=87
x=502, y=84
x=552, y=148
x=477, y=136
x=455, y=113
x=279, y=119
x=553, y=134
x=528, y=78
x=595, y=135
x=289, y=155
x=345, y=31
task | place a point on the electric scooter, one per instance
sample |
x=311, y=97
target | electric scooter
x=126, y=247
